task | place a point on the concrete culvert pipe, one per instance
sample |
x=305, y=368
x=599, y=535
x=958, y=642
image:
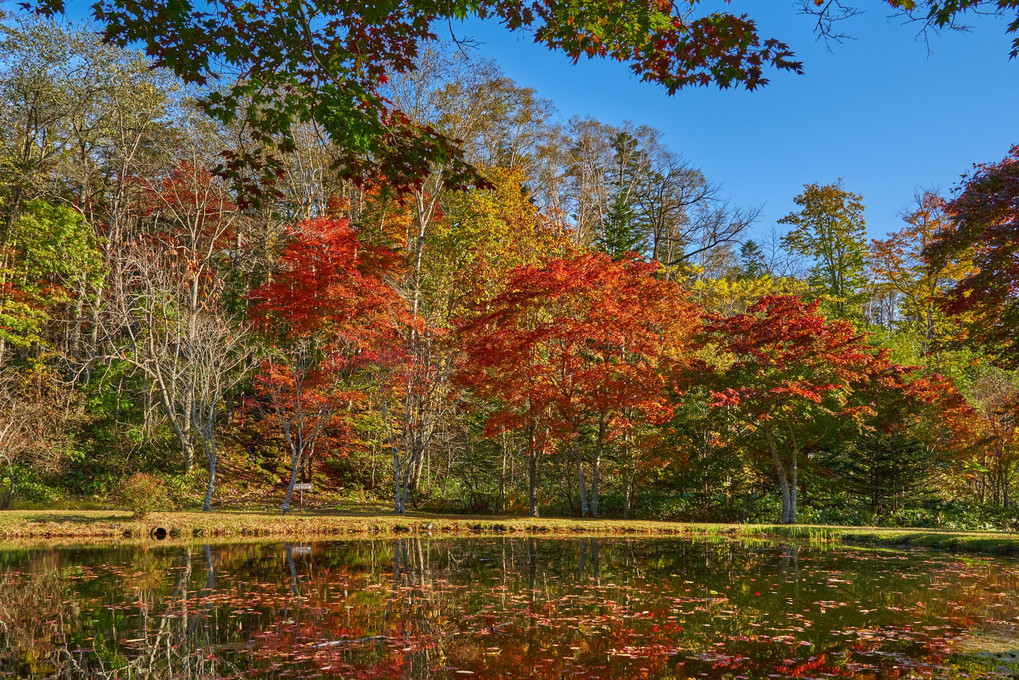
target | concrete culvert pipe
x=158, y=533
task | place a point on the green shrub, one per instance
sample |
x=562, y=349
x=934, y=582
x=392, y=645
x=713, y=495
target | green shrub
x=142, y=493
x=187, y=489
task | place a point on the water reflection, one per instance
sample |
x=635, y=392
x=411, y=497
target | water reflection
x=418, y=607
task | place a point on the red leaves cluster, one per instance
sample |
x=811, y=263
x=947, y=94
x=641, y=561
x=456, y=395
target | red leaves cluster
x=577, y=339
x=329, y=283
x=326, y=309
x=785, y=354
x=985, y=229
x=789, y=362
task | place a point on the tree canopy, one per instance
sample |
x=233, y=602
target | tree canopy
x=271, y=65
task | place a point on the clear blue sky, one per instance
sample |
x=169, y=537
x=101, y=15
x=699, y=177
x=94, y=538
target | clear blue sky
x=879, y=111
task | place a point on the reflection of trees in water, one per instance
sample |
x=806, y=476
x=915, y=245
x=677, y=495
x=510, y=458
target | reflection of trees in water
x=47, y=634
x=499, y=607
x=177, y=631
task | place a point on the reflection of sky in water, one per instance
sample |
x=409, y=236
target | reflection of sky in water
x=504, y=608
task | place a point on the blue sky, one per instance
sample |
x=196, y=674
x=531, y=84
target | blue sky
x=880, y=111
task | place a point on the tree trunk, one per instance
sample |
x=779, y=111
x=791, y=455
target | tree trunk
x=502, y=475
x=786, y=485
x=187, y=446
x=596, y=467
x=794, y=489
x=581, y=482
x=627, y=494
x=210, y=453
x=418, y=471
x=287, y=499
x=184, y=433
x=396, y=484
x=408, y=469
x=532, y=475
x=5, y=503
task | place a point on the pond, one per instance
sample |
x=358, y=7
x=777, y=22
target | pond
x=420, y=607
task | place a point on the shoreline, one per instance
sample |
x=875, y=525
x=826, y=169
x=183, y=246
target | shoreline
x=111, y=527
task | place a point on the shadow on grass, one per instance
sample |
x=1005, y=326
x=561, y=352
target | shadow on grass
x=69, y=518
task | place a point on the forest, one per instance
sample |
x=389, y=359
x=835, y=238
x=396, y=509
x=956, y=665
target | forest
x=512, y=312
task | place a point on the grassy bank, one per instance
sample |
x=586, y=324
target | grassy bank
x=112, y=525
x=99, y=525
x=976, y=542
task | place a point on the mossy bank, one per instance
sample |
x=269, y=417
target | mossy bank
x=106, y=526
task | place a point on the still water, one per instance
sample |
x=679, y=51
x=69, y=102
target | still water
x=505, y=608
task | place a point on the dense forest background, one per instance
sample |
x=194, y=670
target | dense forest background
x=576, y=321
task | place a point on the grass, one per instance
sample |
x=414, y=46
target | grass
x=105, y=526
x=976, y=542
x=114, y=524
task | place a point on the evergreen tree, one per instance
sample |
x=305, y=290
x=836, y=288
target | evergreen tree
x=622, y=229
x=751, y=260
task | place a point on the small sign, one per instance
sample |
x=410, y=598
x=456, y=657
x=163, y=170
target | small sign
x=302, y=487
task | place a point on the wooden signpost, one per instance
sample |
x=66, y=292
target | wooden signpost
x=302, y=488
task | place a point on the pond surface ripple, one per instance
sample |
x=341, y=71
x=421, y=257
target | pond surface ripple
x=419, y=607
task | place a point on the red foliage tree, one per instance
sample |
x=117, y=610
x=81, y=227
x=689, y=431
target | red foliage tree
x=790, y=379
x=323, y=310
x=579, y=343
x=985, y=229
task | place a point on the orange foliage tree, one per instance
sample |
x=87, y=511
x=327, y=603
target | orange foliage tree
x=791, y=378
x=580, y=343
x=323, y=309
x=985, y=229
x=900, y=266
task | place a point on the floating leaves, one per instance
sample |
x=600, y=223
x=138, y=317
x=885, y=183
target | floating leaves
x=505, y=608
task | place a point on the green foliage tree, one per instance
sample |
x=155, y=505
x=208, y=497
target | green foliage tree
x=887, y=472
x=752, y=262
x=621, y=234
x=622, y=231
x=46, y=253
x=829, y=228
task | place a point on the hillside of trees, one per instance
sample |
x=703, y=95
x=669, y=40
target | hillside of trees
x=554, y=317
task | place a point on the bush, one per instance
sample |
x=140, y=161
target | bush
x=187, y=489
x=142, y=493
x=30, y=488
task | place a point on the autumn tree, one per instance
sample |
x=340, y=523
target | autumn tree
x=320, y=312
x=899, y=264
x=829, y=228
x=482, y=236
x=789, y=379
x=48, y=255
x=39, y=415
x=189, y=356
x=215, y=349
x=81, y=121
x=984, y=221
x=167, y=279
x=579, y=343
x=994, y=435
